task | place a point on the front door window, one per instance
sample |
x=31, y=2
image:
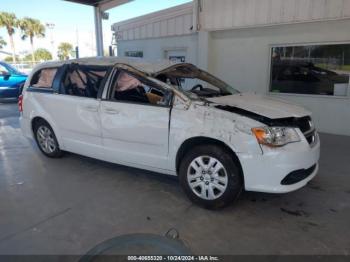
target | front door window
x=129, y=87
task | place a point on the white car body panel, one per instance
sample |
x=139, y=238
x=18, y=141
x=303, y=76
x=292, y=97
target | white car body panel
x=136, y=134
x=149, y=137
x=266, y=106
x=292, y=157
x=76, y=121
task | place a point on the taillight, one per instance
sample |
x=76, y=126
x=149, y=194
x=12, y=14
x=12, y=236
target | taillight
x=20, y=103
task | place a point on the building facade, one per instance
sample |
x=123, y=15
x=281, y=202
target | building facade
x=296, y=50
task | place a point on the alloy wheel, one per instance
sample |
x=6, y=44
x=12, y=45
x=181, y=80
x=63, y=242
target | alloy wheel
x=46, y=140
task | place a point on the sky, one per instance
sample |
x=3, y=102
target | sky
x=74, y=23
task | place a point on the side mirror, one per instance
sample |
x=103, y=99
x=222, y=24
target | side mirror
x=7, y=77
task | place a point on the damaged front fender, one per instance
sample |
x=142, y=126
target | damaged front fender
x=208, y=122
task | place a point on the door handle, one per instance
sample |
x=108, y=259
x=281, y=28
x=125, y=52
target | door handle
x=111, y=111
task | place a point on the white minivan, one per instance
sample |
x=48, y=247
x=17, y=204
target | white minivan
x=171, y=118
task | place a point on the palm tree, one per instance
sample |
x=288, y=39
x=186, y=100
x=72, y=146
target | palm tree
x=10, y=22
x=31, y=28
x=2, y=42
x=65, y=50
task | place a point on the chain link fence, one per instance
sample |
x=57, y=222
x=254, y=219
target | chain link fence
x=25, y=66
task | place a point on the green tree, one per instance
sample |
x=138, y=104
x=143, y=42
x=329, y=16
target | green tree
x=31, y=28
x=27, y=58
x=65, y=50
x=2, y=42
x=10, y=22
x=42, y=54
x=9, y=59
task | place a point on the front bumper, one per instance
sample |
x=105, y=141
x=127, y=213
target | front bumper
x=265, y=172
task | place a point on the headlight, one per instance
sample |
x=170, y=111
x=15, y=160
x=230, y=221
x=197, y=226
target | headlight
x=276, y=136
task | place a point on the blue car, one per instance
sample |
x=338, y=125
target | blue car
x=11, y=82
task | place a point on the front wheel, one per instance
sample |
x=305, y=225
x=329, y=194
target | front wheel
x=46, y=140
x=210, y=176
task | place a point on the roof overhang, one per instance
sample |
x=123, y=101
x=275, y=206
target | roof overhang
x=4, y=52
x=104, y=5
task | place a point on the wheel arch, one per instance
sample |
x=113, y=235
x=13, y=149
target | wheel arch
x=57, y=152
x=37, y=119
x=201, y=140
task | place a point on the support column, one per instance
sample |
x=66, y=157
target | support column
x=203, y=49
x=98, y=30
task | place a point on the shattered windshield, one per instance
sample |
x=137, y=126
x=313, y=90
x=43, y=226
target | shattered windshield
x=195, y=82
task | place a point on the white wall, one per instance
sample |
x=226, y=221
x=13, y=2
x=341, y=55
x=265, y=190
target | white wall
x=155, y=48
x=225, y=14
x=173, y=21
x=242, y=58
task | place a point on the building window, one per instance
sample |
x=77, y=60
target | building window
x=311, y=69
x=134, y=54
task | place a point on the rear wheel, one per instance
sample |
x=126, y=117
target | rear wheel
x=210, y=176
x=46, y=140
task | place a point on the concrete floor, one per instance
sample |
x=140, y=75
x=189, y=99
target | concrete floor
x=69, y=205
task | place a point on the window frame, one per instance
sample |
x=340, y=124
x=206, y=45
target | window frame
x=270, y=68
x=106, y=96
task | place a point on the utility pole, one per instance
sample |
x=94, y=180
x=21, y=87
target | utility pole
x=92, y=43
x=77, y=43
x=51, y=27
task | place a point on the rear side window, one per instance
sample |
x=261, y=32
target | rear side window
x=43, y=78
x=84, y=81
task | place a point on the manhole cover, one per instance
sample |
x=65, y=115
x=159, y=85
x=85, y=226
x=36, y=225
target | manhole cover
x=136, y=244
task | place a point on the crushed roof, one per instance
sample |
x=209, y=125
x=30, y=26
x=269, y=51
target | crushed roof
x=149, y=67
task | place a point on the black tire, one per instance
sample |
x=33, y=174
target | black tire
x=234, y=181
x=56, y=153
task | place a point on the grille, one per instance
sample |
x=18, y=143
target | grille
x=310, y=136
x=306, y=126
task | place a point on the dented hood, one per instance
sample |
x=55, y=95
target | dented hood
x=261, y=105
